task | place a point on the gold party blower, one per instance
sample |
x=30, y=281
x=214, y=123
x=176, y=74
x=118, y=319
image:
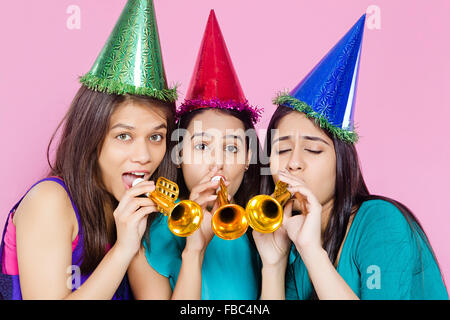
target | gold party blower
x=184, y=217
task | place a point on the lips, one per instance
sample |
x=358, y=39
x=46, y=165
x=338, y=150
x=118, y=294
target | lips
x=217, y=178
x=129, y=177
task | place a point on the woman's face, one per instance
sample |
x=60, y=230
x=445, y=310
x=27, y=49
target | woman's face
x=134, y=145
x=304, y=150
x=214, y=138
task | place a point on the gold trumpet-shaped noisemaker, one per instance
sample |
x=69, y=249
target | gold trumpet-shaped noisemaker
x=184, y=217
x=265, y=213
x=229, y=220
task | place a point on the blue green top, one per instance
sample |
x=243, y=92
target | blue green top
x=230, y=270
x=382, y=258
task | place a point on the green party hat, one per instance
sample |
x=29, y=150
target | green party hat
x=131, y=60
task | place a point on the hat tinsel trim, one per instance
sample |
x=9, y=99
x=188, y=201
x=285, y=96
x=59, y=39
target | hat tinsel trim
x=254, y=113
x=115, y=87
x=284, y=99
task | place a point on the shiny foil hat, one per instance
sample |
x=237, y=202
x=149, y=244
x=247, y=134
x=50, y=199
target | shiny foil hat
x=327, y=94
x=214, y=83
x=131, y=60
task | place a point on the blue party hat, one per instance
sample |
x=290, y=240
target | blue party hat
x=328, y=92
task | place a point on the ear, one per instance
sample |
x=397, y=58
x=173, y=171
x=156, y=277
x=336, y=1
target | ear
x=179, y=157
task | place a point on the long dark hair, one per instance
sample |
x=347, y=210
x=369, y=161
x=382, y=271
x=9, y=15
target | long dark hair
x=250, y=184
x=76, y=162
x=350, y=191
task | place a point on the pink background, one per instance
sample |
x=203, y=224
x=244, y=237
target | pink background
x=402, y=106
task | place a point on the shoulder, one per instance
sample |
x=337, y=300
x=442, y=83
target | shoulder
x=46, y=201
x=381, y=213
x=380, y=224
x=162, y=239
x=163, y=249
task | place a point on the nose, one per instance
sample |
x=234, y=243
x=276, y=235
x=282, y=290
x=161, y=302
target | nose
x=296, y=162
x=140, y=152
x=217, y=158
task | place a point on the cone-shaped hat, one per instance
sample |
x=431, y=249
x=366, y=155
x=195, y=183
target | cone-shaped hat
x=214, y=83
x=131, y=60
x=328, y=92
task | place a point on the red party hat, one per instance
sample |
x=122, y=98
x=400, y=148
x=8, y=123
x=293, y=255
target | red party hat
x=214, y=83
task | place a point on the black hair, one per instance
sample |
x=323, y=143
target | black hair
x=350, y=192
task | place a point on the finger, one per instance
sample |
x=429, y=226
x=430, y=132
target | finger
x=286, y=173
x=204, y=200
x=299, y=190
x=287, y=212
x=303, y=202
x=141, y=189
x=302, y=193
x=204, y=186
x=128, y=205
x=141, y=214
x=207, y=214
x=256, y=236
x=290, y=179
x=134, y=205
x=293, y=226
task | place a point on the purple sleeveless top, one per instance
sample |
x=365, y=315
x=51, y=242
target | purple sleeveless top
x=10, y=284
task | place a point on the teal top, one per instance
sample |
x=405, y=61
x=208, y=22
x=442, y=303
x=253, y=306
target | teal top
x=382, y=258
x=230, y=270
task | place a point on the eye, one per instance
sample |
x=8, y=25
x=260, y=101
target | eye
x=314, y=151
x=231, y=148
x=201, y=146
x=156, y=137
x=283, y=151
x=123, y=137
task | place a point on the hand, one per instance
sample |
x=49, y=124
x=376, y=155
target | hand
x=305, y=229
x=131, y=216
x=274, y=247
x=205, y=195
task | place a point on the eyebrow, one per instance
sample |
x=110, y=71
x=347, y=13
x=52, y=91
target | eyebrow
x=234, y=137
x=201, y=134
x=128, y=127
x=311, y=138
x=283, y=138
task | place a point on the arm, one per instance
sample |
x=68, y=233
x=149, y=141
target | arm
x=189, y=284
x=273, y=279
x=145, y=282
x=45, y=225
x=149, y=275
x=273, y=249
x=151, y=280
x=305, y=231
x=328, y=283
x=106, y=278
x=44, y=228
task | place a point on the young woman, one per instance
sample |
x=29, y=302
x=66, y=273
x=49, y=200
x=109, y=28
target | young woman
x=215, y=121
x=74, y=233
x=349, y=244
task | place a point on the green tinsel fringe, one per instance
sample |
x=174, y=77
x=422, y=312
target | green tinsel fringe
x=344, y=135
x=113, y=87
